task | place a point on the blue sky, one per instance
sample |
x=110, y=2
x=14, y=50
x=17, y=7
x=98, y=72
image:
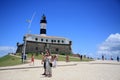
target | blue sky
x=88, y=23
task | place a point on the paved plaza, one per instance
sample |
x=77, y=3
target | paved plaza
x=94, y=70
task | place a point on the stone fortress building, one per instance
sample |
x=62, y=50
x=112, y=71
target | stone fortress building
x=38, y=43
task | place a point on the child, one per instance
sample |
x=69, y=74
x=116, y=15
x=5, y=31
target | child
x=32, y=59
x=54, y=61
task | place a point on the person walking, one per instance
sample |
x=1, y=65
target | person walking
x=103, y=57
x=67, y=58
x=32, y=59
x=22, y=58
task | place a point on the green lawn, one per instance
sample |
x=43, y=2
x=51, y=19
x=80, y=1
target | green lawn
x=60, y=57
x=9, y=60
x=63, y=58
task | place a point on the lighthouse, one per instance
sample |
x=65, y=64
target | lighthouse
x=39, y=43
x=43, y=23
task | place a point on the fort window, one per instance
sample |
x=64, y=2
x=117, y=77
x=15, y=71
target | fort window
x=52, y=41
x=46, y=40
x=62, y=41
x=58, y=41
x=36, y=39
x=42, y=40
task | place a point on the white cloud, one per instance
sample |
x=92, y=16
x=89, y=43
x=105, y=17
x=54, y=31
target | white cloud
x=111, y=46
x=6, y=49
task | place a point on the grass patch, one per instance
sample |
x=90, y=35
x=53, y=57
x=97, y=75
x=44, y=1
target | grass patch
x=71, y=58
x=9, y=60
x=60, y=57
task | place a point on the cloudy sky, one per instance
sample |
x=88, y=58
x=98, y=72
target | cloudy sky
x=92, y=25
x=111, y=46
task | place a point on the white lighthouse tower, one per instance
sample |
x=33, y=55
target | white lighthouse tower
x=43, y=23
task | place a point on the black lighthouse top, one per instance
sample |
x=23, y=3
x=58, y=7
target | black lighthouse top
x=43, y=20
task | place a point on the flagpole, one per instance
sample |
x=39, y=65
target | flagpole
x=30, y=21
x=24, y=45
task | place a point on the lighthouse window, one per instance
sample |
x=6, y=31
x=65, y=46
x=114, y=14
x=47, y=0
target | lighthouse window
x=41, y=39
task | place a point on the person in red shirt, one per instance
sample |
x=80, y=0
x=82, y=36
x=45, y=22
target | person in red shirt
x=67, y=58
x=32, y=59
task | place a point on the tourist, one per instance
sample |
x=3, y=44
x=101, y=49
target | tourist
x=67, y=58
x=57, y=57
x=111, y=58
x=118, y=58
x=54, y=61
x=25, y=56
x=32, y=59
x=47, y=64
x=102, y=57
x=22, y=58
x=44, y=64
x=81, y=57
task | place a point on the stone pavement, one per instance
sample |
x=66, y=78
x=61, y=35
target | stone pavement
x=37, y=64
x=94, y=70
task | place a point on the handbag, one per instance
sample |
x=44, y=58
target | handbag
x=50, y=64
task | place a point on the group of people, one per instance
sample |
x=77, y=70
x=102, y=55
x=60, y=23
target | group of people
x=111, y=58
x=48, y=62
x=23, y=57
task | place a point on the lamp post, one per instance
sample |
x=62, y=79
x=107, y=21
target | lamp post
x=24, y=48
